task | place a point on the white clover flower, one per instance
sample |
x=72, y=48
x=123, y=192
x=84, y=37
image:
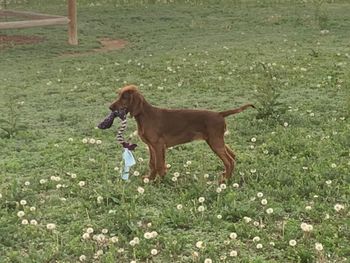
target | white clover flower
x=189, y=162
x=306, y=227
x=114, y=239
x=329, y=182
x=223, y=186
x=85, y=140
x=259, y=246
x=235, y=185
x=98, y=142
x=81, y=183
x=253, y=171
x=140, y=189
x=140, y=159
x=147, y=235
x=303, y=226
x=82, y=258
x=92, y=141
x=42, y=181
x=25, y=222
x=0, y=195
x=338, y=207
x=50, y=226
x=99, y=199
x=58, y=186
x=272, y=243
x=86, y=236
x=176, y=174
x=104, y=231
x=33, y=222
x=233, y=235
x=136, y=173
x=247, y=219
x=218, y=190
x=219, y=216
x=308, y=207
x=32, y=208
x=256, y=223
x=333, y=165
x=285, y=124
x=260, y=194
x=132, y=243
x=154, y=252
x=168, y=165
x=264, y=202
x=201, y=208
x=146, y=180
x=174, y=179
x=208, y=260
x=206, y=176
x=149, y=224
x=233, y=253
x=179, y=206
x=137, y=240
x=73, y=175
x=256, y=239
x=89, y=230
x=23, y=202
x=70, y=139
x=292, y=242
x=99, y=252
x=201, y=199
x=318, y=246
x=253, y=139
x=199, y=244
x=20, y=214
x=154, y=234
x=26, y=183
x=269, y=210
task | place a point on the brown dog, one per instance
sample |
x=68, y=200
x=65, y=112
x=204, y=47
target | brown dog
x=163, y=128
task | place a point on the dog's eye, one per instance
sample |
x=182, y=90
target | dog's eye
x=125, y=96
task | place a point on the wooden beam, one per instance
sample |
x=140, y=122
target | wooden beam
x=34, y=23
x=72, y=25
x=26, y=14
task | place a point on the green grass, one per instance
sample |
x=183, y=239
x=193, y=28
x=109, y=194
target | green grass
x=215, y=55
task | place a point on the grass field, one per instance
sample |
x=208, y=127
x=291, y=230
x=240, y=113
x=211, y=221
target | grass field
x=62, y=200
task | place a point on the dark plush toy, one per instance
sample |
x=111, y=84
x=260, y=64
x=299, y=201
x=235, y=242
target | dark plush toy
x=128, y=157
x=108, y=121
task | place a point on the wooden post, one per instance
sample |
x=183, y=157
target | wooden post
x=72, y=25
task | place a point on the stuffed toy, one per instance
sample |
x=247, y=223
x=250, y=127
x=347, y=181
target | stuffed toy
x=127, y=155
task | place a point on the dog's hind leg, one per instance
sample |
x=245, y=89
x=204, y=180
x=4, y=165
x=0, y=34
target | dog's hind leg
x=217, y=144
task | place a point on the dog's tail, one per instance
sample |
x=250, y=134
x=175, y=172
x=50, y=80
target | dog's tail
x=234, y=111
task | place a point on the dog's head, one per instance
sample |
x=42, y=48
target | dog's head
x=129, y=99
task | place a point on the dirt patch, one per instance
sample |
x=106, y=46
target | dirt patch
x=107, y=45
x=111, y=44
x=9, y=41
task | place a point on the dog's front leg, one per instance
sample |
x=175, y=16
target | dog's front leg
x=152, y=163
x=160, y=158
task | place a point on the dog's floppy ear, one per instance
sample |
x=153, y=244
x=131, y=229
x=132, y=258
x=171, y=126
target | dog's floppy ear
x=135, y=103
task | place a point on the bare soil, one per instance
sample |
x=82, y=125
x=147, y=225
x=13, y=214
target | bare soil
x=9, y=41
